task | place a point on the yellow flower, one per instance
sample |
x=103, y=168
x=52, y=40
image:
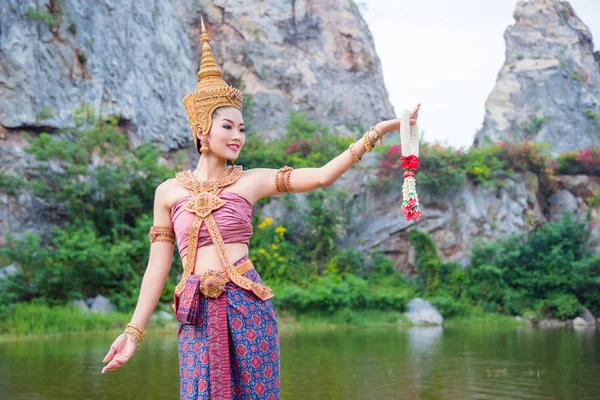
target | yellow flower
x=280, y=229
x=179, y=166
x=261, y=251
x=261, y=225
x=274, y=246
x=276, y=255
x=268, y=221
x=280, y=259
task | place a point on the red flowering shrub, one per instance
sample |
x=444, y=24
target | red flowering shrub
x=390, y=164
x=585, y=161
x=528, y=156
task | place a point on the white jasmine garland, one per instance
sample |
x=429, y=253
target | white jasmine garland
x=409, y=142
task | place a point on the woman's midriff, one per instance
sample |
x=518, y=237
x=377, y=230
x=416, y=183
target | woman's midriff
x=208, y=259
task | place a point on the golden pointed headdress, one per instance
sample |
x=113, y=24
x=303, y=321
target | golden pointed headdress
x=211, y=92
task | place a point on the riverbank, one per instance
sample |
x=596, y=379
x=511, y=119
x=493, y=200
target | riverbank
x=36, y=321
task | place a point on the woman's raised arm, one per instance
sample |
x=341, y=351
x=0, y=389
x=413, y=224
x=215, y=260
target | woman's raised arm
x=270, y=182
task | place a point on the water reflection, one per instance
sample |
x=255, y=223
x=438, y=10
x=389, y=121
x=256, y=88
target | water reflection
x=365, y=363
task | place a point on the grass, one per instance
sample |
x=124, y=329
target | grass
x=31, y=320
x=342, y=318
x=40, y=321
x=483, y=319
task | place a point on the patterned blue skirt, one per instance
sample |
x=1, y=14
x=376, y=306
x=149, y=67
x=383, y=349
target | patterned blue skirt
x=232, y=351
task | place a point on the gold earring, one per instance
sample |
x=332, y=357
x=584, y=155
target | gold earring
x=204, y=145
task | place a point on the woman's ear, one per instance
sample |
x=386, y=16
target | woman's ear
x=198, y=132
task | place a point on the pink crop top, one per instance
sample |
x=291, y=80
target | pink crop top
x=233, y=220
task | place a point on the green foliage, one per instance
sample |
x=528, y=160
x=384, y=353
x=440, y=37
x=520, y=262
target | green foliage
x=551, y=261
x=105, y=192
x=46, y=113
x=52, y=16
x=549, y=271
x=274, y=256
x=9, y=184
x=350, y=261
x=534, y=126
x=450, y=306
x=593, y=201
x=333, y=293
x=38, y=318
x=481, y=163
x=38, y=14
x=427, y=260
x=98, y=178
x=560, y=305
x=585, y=161
x=440, y=169
x=305, y=144
x=527, y=156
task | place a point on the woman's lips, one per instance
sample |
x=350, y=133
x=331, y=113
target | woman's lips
x=233, y=147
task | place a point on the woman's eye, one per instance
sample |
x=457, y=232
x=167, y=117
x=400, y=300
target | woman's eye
x=227, y=127
x=243, y=130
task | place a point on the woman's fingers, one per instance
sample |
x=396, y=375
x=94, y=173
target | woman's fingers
x=111, y=366
x=120, y=352
x=114, y=348
x=415, y=114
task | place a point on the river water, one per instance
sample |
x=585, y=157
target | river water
x=326, y=364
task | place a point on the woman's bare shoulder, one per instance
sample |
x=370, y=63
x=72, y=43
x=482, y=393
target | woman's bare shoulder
x=168, y=192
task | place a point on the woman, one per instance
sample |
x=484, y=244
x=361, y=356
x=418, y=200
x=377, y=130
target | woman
x=228, y=340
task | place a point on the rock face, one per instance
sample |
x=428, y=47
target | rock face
x=422, y=312
x=312, y=56
x=549, y=87
x=457, y=219
x=136, y=60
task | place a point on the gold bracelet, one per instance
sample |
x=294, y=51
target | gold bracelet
x=355, y=158
x=133, y=340
x=379, y=135
x=137, y=327
x=133, y=335
x=368, y=145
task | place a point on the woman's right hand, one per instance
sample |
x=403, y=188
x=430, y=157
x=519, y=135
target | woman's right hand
x=120, y=352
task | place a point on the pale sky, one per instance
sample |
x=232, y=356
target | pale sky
x=447, y=55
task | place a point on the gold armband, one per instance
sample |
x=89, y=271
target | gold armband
x=161, y=233
x=282, y=179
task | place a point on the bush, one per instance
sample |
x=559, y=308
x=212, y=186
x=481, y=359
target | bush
x=527, y=156
x=554, y=260
x=305, y=144
x=332, y=293
x=105, y=194
x=449, y=306
x=427, y=260
x=561, y=306
x=440, y=169
x=586, y=161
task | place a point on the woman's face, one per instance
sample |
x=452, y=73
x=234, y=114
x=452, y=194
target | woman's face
x=227, y=134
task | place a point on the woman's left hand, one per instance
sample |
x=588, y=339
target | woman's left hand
x=391, y=125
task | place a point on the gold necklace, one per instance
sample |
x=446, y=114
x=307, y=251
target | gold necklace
x=212, y=184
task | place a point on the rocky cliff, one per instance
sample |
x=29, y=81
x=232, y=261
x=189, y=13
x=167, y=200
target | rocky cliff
x=548, y=89
x=136, y=60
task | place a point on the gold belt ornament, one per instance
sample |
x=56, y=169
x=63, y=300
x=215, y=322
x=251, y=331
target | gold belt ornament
x=212, y=283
